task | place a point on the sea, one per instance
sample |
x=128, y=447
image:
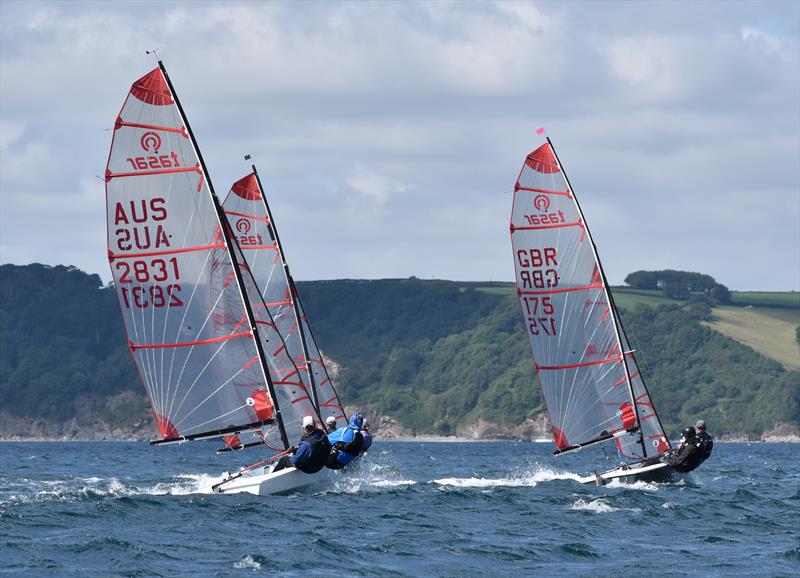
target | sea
x=88, y=509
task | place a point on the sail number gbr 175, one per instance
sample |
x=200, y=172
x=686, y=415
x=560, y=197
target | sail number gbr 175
x=537, y=270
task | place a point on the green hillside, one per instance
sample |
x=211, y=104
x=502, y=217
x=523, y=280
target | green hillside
x=434, y=355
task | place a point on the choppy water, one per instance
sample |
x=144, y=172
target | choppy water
x=424, y=509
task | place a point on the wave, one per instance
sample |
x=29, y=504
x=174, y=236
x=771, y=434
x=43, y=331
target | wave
x=369, y=477
x=637, y=485
x=42, y=491
x=599, y=506
x=529, y=478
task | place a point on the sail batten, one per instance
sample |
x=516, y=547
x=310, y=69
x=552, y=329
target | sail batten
x=590, y=382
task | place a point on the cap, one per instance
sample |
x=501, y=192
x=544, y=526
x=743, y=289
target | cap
x=700, y=424
x=308, y=421
x=330, y=419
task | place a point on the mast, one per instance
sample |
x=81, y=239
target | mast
x=237, y=272
x=607, y=291
x=273, y=230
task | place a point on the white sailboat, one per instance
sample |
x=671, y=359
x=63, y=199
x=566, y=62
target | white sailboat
x=213, y=361
x=592, y=386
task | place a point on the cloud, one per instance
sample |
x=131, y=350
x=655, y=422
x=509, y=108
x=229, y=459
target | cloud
x=375, y=185
x=389, y=135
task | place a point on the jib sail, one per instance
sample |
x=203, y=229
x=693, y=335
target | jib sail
x=250, y=219
x=591, y=384
x=191, y=331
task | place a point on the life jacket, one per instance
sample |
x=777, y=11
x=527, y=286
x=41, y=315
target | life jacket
x=320, y=450
x=347, y=444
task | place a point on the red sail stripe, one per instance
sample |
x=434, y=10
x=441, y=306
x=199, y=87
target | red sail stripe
x=574, y=365
x=299, y=399
x=329, y=400
x=539, y=227
x=605, y=314
x=621, y=380
x=200, y=181
x=543, y=191
x=267, y=323
x=253, y=247
x=292, y=383
x=194, y=169
x=277, y=351
x=181, y=131
x=565, y=290
x=239, y=324
x=256, y=217
x=324, y=381
x=228, y=280
x=135, y=346
x=112, y=255
x=330, y=405
x=249, y=363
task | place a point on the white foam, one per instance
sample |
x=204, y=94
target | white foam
x=637, y=485
x=77, y=488
x=668, y=506
x=247, y=563
x=598, y=506
x=529, y=478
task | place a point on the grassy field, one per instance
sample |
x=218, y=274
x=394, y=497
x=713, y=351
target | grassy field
x=761, y=330
x=630, y=298
x=789, y=299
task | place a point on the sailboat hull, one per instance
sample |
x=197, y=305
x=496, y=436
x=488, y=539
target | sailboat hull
x=657, y=472
x=266, y=483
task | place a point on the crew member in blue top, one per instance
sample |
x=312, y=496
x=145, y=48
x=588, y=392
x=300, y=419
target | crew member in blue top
x=311, y=453
x=347, y=443
x=367, y=435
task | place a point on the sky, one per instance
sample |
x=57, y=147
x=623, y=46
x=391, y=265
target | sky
x=389, y=135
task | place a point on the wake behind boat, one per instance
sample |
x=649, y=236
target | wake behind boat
x=220, y=356
x=592, y=386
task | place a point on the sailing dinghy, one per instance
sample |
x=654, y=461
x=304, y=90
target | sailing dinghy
x=592, y=386
x=212, y=360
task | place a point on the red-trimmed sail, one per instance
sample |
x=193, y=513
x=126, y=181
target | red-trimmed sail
x=251, y=223
x=174, y=276
x=586, y=370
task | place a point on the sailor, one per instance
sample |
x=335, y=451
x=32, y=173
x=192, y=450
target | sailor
x=367, y=435
x=311, y=452
x=688, y=455
x=347, y=443
x=704, y=439
x=330, y=424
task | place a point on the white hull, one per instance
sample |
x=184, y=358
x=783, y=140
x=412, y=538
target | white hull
x=632, y=473
x=262, y=482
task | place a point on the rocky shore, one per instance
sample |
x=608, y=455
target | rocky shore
x=90, y=428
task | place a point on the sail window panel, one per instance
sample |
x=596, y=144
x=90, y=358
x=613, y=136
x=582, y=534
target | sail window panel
x=583, y=404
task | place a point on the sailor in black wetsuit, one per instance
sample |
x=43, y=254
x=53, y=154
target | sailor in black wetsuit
x=311, y=453
x=688, y=455
x=705, y=441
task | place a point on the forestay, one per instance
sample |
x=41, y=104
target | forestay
x=248, y=213
x=591, y=384
x=182, y=303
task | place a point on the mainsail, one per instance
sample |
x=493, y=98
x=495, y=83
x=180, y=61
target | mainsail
x=205, y=361
x=250, y=219
x=591, y=383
